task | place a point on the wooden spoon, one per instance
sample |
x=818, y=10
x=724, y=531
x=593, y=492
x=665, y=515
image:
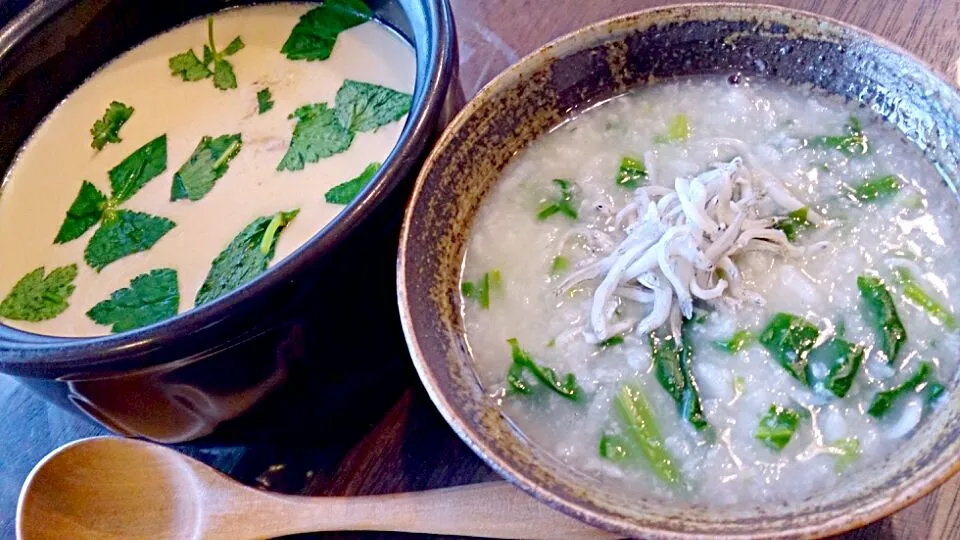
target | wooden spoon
x=109, y=487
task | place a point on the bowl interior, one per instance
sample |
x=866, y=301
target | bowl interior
x=596, y=63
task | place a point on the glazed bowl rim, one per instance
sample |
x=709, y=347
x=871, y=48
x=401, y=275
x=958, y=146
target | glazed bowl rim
x=30, y=354
x=881, y=503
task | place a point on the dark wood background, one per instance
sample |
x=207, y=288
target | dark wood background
x=406, y=445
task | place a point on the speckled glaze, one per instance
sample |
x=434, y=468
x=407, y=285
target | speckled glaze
x=596, y=63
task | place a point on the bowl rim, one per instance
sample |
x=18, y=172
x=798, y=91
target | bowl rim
x=31, y=354
x=881, y=504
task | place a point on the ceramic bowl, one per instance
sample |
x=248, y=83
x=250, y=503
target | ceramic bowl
x=594, y=64
x=183, y=378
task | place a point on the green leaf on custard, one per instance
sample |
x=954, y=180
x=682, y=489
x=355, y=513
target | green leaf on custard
x=85, y=212
x=264, y=101
x=143, y=165
x=244, y=259
x=318, y=134
x=107, y=129
x=316, y=33
x=208, y=163
x=151, y=298
x=187, y=66
x=363, y=106
x=37, y=297
x=123, y=233
x=346, y=192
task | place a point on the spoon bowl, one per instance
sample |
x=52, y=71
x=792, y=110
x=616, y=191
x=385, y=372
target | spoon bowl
x=108, y=487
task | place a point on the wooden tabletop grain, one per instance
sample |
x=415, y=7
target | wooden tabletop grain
x=411, y=447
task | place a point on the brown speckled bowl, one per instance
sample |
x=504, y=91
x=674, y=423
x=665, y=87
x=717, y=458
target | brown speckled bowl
x=593, y=64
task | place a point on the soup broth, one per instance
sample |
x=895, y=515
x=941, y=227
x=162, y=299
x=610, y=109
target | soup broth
x=778, y=370
x=273, y=156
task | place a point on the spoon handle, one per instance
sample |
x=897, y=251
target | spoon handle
x=494, y=509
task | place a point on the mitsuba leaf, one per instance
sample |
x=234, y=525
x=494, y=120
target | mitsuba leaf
x=208, y=163
x=346, y=192
x=143, y=165
x=151, y=298
x=85, y=212
x=318, y=134
x=107, y=129
x=264, y=100
x=365, y=107
x=244, y=258
x=38, y=298
x=124, y=233
x=316, y=33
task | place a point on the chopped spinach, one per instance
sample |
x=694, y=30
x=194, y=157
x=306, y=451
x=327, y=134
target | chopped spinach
x=559, y=265
x=794, y=223
x=833, y=366
x=673, y=363
x=566, y=387
x=881, y=313
x=882, y=401
x=918, y=296
x=876, y=188
x=847, y=451
x=614, y=448
x=641, y=426
x=737, y=342
x=789, y=339
x=610, y=342
x=777, y=427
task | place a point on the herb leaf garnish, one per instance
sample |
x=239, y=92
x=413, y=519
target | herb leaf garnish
x=346, y=192
x=209, y=161
x=38, y=298
x=244, y=259
x=316, y=33
x=794, y=223
x=480, y=291
x=789, y=339
x=874, y=189
x=122, y=233
x=107, y=129
x=151, y=298
x=127, y=178
x=264, y=101
x=318, y=134
x=365, y=107
x=85, y=212
x=187, y=66
x=678, y=130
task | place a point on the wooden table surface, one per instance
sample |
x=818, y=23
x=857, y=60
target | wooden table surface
x=407, y=446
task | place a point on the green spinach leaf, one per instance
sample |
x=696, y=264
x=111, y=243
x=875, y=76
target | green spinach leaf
x=881, y=313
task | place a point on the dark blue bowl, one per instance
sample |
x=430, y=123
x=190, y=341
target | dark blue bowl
x=311, y=317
